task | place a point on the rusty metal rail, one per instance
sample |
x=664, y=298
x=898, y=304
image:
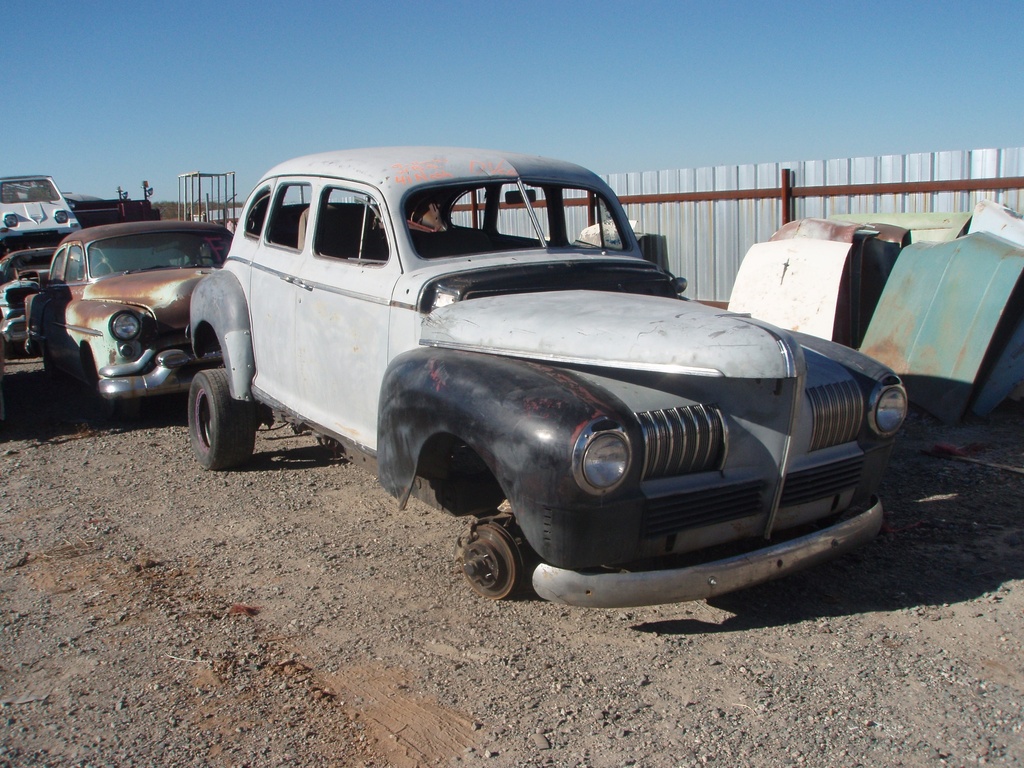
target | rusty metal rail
x=787, y=192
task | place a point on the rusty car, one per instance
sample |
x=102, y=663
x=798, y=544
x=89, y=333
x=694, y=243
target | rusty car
x=481, y=330
x=20, y=275
x=114, y=308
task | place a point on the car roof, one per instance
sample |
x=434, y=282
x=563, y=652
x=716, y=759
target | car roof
x=400, y=169
x=104, y=231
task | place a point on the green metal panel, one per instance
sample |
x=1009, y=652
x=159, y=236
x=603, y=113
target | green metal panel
x=943, y=312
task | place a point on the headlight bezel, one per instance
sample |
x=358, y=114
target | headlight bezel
x=882, y=397
x=125, y=325
x=61, y=216
x=11, y=220
x=601, y=435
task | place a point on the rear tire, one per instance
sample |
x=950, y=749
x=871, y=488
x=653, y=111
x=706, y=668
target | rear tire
x=222, y=430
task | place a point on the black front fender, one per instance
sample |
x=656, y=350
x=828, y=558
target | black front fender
x=522, y=420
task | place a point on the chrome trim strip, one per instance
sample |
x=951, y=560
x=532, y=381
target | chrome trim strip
x=311, y=285
x=80, y=329
x=700, y=582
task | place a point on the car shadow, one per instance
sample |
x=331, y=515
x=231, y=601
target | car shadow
x=954, y=532
x=43, y=407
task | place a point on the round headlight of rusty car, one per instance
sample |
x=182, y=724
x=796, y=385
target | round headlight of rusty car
x=601, y=456
x=888, y=408
x=125, y=326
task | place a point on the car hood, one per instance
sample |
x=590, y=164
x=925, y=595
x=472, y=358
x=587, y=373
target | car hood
x=617, y=330
x=166, y=293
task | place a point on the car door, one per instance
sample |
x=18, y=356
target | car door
x=276, y=257
x=343, y=311
x=66, y=280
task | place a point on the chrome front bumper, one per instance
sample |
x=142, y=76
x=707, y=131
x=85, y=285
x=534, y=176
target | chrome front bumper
x=123, y=382
x=699, y=582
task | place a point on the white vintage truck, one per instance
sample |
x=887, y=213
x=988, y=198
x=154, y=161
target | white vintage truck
x=435, y=312
x=33, y=213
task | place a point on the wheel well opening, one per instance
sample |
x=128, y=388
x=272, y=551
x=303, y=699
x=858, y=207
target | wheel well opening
x=459, y=479
x=204, y=340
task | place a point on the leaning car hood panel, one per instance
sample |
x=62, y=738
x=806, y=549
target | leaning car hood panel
x=615, y=330
x=166, y=293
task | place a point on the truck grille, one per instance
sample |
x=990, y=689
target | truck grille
x=838, y=413
x=682, y=440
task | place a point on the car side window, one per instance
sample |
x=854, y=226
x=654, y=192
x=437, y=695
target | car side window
x=288, y=218
x=349, y=225
x=75, y=270
x=57, y=266
x=257, y=213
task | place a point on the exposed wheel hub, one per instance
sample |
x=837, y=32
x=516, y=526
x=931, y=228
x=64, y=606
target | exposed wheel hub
x=492, y=560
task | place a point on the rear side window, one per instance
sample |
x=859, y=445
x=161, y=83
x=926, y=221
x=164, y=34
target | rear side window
x=289, y=216
x=75, y=271
x=349, y=225
x=57, y=266
x=257, y=213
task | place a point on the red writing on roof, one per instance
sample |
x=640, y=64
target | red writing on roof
x=410, y=173
x=491, y=168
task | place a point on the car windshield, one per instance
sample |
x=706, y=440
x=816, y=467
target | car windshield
x=13, y=191
x=157, y=250
x=508, y=215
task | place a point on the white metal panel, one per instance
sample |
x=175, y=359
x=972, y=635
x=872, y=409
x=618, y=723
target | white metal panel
x=793, y=284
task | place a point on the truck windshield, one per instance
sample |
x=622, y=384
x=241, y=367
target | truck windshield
x=13, y=191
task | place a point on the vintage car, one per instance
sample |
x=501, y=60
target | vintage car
x=33, y=212
x=3, y=407
x=435, y=312
x=114, y=309
x=20, y=275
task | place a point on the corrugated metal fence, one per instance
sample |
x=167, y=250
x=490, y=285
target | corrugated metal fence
x=711, y=216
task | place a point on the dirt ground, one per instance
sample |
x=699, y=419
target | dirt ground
x=288, y=614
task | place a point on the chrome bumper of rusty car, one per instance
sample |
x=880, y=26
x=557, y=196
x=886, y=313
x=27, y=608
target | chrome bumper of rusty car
x=699, y=582
x=122, y=382
x=13, y=328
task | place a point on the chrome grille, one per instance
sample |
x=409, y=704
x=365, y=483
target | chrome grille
x=838, y=413
x=682, y=440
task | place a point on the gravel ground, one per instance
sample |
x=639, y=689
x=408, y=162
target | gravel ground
x=288, y=614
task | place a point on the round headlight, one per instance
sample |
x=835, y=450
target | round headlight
x=888, y=408
x=61, y=217
x=601, y=456
x=125, y=326
x=10, y=219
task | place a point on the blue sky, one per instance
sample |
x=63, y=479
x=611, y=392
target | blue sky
x=100, y=94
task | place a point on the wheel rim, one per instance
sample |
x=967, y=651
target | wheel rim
x=492, y=562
